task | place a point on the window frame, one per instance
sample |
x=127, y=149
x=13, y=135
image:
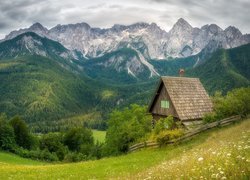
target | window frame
x=165, y=104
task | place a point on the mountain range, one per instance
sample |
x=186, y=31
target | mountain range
x=74, y=69
x=147, y=41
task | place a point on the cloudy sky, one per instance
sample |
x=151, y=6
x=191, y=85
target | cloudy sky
x=16, y=14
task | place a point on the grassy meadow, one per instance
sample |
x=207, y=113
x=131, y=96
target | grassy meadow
x=12, y=159
x=222, y=153
x=99, y=135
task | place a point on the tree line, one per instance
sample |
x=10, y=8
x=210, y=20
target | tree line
x=76, y=144
x=125, y=127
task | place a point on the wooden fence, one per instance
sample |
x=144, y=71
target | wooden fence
x=187, y=134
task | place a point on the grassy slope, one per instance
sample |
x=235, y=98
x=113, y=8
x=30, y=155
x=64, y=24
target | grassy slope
x=226, y=149
x=99, y=135
x=11, y=159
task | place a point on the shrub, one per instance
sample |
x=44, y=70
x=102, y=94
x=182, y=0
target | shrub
x=53, y=142
x=7, y=136
x=163, y=124
x=126, y=127
x=210, y=117
x=165, y=136
x=236, y=102
x=48, y=156
x=97, y=150
x=44, y=155
x=79, y=140
x=75, y=157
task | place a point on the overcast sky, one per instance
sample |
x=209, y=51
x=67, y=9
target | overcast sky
x=16, y=14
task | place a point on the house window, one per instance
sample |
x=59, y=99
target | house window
x=164, y=104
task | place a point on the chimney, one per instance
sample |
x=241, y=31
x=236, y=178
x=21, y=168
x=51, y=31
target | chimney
x=181, y=72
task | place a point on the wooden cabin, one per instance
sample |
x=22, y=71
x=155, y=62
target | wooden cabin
x=183, y=98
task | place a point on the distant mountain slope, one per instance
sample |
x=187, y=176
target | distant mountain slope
x=30, y=43
x=40, y=89
x=40, y=81
x=225, y=70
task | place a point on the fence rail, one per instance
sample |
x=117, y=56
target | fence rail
x=187, y=134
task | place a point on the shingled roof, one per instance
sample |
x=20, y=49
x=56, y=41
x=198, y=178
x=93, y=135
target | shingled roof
x=188, y=96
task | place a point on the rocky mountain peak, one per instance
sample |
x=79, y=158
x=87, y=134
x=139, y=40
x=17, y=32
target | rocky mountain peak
x=118, y=27
x=37, y=26
x=181, y=27
x=139, y=25
x=82, y=25
x=232, y=31
x=214, y=28
x=154, y=26
x=182, y=23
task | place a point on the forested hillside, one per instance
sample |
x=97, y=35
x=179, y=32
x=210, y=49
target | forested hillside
x=225, y=70
x=39, y=88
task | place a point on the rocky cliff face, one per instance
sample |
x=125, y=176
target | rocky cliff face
x=149, y=39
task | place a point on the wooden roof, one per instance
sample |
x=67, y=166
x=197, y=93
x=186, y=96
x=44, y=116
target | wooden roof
x=188, y=96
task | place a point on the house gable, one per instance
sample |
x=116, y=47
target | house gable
x=186, y=99
x=162, y=98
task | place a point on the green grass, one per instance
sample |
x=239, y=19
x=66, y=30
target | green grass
x=99, y=135
x=107, y=94
x=224, y=153
x=9, y=158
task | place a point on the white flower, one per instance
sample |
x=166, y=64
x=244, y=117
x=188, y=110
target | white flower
x=200, y=159
x=228, y=154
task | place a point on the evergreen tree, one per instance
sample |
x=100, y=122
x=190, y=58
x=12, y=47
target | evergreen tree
x=23, y=137
x=7, y=136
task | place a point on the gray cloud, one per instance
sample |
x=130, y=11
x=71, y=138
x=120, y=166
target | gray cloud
x=104, y=13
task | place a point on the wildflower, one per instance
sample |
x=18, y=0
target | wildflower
x=223, y=177
x=213, y=152
x=200, y=159
x=221, y=172
x=213, y=176
x=228, y=154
